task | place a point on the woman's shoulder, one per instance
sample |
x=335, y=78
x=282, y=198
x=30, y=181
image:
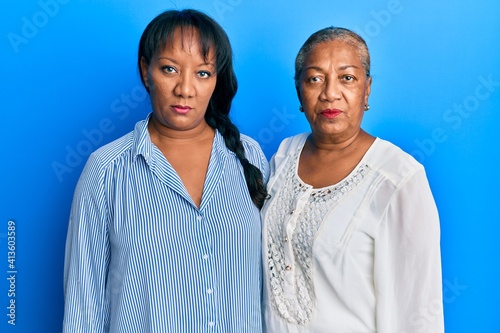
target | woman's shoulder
x=110, y=151
x=249, y=143
x=254, y=154
x=288, y=147
x=135, y=140
x=252, y=147
x=292, y=143
x=389, y=159
x=101, y=161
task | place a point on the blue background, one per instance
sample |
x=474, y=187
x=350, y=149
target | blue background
x=69, y=84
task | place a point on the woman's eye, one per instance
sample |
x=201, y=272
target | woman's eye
x=314, y=79
x=168, y=69
x=204, y=74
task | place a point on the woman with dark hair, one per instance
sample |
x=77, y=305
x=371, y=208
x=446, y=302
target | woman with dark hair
x=351, y=231
x=164, y=232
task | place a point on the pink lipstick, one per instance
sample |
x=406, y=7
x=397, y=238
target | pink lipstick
x=181, y=109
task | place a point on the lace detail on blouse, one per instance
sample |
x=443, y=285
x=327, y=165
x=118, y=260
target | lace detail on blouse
x=293, y=220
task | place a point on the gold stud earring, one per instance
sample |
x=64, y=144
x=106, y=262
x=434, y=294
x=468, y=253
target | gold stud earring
x=367, y=107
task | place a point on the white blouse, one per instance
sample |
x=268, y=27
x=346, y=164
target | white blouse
x=362, y=255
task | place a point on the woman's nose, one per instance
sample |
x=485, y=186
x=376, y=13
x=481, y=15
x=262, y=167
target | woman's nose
x=184, y=86
x=331, y=90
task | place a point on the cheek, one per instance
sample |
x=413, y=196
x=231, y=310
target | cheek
x=308, y=96
x=207, y=92
x=356, y=97
x=158, y=94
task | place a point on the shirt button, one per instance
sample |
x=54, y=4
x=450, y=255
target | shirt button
x=209, y=291
x=211, y=324
x=199, y=218
x=205, y=257
x=288, y=267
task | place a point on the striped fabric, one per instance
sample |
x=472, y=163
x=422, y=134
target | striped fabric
x=141, y=257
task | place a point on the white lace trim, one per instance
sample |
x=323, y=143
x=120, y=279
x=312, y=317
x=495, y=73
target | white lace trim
x=293, y=220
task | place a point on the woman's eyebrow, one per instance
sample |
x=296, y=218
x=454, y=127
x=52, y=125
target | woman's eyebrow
x=344, y=67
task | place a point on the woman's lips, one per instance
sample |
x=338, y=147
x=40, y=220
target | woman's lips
x=181, y=109
x=330, y=113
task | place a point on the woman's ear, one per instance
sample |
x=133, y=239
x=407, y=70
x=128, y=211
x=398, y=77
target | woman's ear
x=144, y=73
x=368, y=89
x=297, y=89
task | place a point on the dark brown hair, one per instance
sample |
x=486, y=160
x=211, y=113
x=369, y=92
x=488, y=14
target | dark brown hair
x=159, y=33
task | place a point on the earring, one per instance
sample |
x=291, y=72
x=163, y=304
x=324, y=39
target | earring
x=301, y=109
x=367, y=107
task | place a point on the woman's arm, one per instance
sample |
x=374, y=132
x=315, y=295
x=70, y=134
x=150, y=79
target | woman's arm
x=407, y=264
x=87, y=255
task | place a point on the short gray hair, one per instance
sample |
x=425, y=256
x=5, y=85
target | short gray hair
x=327, y=35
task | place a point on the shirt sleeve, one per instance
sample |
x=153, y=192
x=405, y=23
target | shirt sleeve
x=407, y=263
x=256, y=156
x=87, y=255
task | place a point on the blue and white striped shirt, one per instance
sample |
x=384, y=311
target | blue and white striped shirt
x=141, y=257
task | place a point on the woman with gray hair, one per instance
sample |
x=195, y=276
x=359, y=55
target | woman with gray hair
x=351, y=239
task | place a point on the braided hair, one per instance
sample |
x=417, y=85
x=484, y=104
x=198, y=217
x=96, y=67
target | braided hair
x=159, y=33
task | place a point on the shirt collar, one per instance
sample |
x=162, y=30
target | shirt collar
x=142, y=144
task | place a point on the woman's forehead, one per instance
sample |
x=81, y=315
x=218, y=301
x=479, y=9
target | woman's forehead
x=190, y=41
x=335, y=50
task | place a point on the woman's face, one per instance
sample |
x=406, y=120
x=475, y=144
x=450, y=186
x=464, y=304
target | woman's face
x=334, y=90
x=180, y=82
